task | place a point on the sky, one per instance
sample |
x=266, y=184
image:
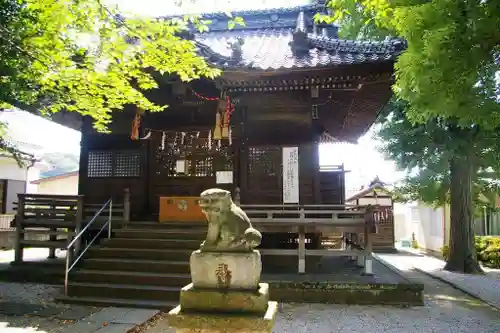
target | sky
x=35, y=130
x=168, y=7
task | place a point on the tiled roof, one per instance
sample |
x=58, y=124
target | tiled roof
x=269, y=49
x=286, y=39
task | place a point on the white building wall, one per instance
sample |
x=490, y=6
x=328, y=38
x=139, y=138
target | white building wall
x=432, y=228
x=425, y=222
x=9, y=169
x=18, y=180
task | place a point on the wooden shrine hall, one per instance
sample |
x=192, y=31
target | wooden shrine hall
x=288, y=84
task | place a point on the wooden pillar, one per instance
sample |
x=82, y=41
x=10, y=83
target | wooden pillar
x=53, y=232
x=354, y=240
x=316, y=174
x=361, y=261
x=52, y=238
x=84, y=155
x=368, y=241
x=237, y=198
x=79, y=223
x=301, y=249
x=368, y=253
x=18, y=256
x=126, y=207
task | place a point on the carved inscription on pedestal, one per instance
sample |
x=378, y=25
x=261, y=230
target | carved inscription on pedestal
x=223, y=275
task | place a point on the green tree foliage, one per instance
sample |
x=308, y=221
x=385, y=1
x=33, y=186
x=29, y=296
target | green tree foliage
x=444, y=126
x=425, y=152
x=452, y=58
x=446, y=163
x=81, y=56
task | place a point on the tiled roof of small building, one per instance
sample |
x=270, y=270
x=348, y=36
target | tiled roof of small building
x=286, y=38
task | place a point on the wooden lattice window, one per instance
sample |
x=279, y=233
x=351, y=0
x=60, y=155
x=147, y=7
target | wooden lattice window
x=203, y=167
x=127, y=163
x=100, y=164
x=202, y=156
x=122, y=163
x=264, y=161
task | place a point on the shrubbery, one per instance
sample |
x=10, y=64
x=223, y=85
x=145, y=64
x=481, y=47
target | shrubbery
x=487, y=249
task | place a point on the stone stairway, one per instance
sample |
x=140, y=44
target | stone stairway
x=144, y=265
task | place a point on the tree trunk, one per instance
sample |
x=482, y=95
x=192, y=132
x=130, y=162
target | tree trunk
x=462, y=256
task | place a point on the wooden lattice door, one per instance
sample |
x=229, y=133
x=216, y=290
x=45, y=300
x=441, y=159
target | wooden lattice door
x=202, y=159
x=262, y=176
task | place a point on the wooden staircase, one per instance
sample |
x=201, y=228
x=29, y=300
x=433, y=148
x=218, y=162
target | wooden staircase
x=144, y=265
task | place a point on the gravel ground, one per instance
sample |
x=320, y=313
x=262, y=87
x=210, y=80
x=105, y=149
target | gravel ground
x=446, y=310
x=438, y=315
x=28, y=292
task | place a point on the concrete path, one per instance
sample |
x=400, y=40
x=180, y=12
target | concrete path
x=25, y=317
x=484, y=287
x=29, y=308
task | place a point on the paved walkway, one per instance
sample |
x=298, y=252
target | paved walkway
x=29, y=308
x=25, y=317
x=484, y=287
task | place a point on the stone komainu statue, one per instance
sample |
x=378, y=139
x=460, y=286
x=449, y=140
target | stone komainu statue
x=229, y=228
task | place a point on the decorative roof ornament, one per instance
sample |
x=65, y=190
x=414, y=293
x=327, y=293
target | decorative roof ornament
x=236, y=49
x=327, y=138
x=300, y=45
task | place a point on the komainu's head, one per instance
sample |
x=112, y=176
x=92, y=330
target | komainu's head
x=214, y=202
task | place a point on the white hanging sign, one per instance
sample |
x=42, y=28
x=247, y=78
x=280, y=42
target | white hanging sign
x=224, y=177
x=290, y=175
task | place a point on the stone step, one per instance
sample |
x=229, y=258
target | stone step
x=148, y=225
x=151, y=243
x=163, y=306
x=51, y=274
x=123, y=291
x=59, y=244
x=146, y=254
x=135, y=265
x=186, y=234
x=131, y=278
x=144, y=243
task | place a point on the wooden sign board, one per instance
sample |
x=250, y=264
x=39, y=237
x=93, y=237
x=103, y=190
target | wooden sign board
x=290, y=175
x=180, y=209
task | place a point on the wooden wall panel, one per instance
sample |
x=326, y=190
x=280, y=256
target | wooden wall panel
x=99, y=189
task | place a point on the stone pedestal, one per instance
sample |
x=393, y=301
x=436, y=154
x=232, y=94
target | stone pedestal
x=215, y=323
x=225, y=270
x=225, y=296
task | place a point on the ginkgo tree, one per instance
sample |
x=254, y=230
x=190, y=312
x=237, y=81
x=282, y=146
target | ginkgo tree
x=451, y=64
x=427, y=152
x=447, y=82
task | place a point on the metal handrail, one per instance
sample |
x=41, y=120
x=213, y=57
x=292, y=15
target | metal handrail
x=77, y=237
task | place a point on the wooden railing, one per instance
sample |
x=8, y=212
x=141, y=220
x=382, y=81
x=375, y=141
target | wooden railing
x=60, y=218
x=58, y=215
x=302, y=219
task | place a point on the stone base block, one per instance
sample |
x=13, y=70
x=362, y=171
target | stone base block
x=222, y=323
x=230, y=301
x=226, y=270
